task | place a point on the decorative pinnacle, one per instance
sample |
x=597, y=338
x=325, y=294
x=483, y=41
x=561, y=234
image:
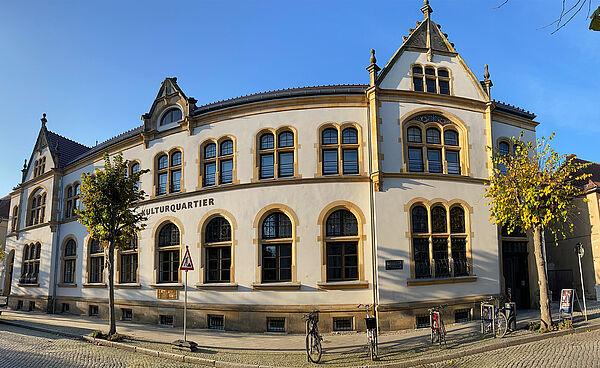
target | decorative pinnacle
x=25, y=165
x=373, y=59
x=426, y=9
x=486, y=75
x=43, y=119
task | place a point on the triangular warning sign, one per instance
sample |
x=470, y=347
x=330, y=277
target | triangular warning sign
x=186, y=263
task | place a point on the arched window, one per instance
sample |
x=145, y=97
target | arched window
x=15, y=218
x=168, y=173
x=171, y=116
x=443, y=156
x=72, y=200
x=217, y=166
x=341, y=242
x=30, y=267
x=69, y=258
x=133, y=169
x=95, y=262
x=37, y=207
x=128, y=262
x=503, y=148
x=441, y=252
x=276, y=161
x=335, y=155
x=276, y=243
x=434, y=82
x=217, y=244
x=226, y=162
x=169, y=241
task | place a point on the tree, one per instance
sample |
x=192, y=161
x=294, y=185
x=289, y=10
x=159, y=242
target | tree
x=109, y=197
x=533, y=188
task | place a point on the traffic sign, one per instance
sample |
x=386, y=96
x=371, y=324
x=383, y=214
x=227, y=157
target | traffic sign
x=186, y=263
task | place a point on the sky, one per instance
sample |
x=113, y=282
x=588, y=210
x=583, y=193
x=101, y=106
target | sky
x=96, y=67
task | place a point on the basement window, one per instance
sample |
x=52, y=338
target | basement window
x=216, y=322
x=342, y=324
x=166, y=320
x=276, y=324
x=462, y=315
x=93, y=310
x=126, y=314
x=422, y=321
x=65, y=307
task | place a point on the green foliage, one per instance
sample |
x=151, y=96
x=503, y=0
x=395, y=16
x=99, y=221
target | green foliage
x=535, y=327
x=108, y=198
x=536, y=188
x=115, y=337
x=565, y=324
x=97, y=334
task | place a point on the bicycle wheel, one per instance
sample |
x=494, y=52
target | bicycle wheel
x=442, y=333
x=372, y=349
x=313, y=347
x=501, y=325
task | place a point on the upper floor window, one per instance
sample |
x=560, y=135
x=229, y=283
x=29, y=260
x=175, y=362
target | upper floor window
x=341, y=246
x=171, y=116
x=276, y=248
x=217, y=243
x=15, y=218
x=217, y=165
x=431, y=79
x=336, y=154
x=30, y=267
x=169, y=240
x=95, y=262
x=276, y=160
x=39, y=167
x=72, y=200
x=168, y=172
x=439, y=242
x=69, y=257
x=135, y=168
x=432, y=145
x=37, y=207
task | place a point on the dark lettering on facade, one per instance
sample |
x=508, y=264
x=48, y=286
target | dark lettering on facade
x=176, y=207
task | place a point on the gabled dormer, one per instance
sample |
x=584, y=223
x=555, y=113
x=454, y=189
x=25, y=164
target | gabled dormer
x=428, y=62
x=170, y=109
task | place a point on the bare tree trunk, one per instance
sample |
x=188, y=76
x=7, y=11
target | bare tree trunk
x=546, y=317
x=111, y=290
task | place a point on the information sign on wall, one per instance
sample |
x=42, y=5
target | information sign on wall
x=394, y=264
x=168, y=294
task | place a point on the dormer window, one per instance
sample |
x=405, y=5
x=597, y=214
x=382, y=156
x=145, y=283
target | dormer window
x=171, y=116
x=433, y=80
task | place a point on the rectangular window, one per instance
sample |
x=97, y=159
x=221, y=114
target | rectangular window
x=93, y=310
x=168, y=266
x=126, y=314
x=162, y=184
x=459, y=256
x=434, y=159
x=226, y=174
x=96, y=270
x=31, y=306
x=342, y=324
x=69, y=271
x=418, y=83
x=219, y=264
x=440, y=257
x=175, y=181
x=421, y=256
x=452, y=159
x=350, y=160
x=444, y=87
x=277, y=263
x=275, y=324
x=166, y=320
x=216, y=322
x=267, y=166
x=65, y=307
x=342, y=261
x=415, y=159
x=422, y=321
x=330, y=162
x=210, y=172
x=462, y=315
x=69, y=209
x=431, y=85
x=286, y=164
x=129, y=266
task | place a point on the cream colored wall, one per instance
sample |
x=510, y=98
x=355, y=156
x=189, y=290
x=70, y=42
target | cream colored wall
x=506, y=131
x=399, y=77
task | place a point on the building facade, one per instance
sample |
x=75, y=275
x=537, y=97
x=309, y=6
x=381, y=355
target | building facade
x=316, y=197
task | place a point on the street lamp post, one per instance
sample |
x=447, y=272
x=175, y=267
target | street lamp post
x=580, y=251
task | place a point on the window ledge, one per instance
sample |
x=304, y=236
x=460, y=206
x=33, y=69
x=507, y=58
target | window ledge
x=276, y=286
x=94, y=285
x=340, y=285
x=170, y=286
x=217, y=286
x=29, y=285
x=63, y=284
x=451, y=280
x=128, y=286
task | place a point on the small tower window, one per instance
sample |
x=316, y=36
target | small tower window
x=171, y=116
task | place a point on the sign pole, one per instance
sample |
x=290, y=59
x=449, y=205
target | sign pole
x=579, y=256
x=185, y=308
x=186, y=265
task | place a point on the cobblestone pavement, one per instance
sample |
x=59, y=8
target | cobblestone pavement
x=26, y=348
x=579, y=350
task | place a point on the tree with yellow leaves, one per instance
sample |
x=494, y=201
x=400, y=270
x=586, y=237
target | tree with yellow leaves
x=533, y=188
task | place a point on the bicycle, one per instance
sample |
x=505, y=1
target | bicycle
x=313, y=339
x=371, y=323
x=493, y=319
x=438, y=330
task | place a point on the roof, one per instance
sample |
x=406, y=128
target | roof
x=4, y=207
x=514, y=110
x=65, y=148
x=593, y=181
x=107, y=143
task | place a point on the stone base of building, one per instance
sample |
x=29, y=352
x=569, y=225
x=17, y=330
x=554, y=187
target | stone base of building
x=30, y=303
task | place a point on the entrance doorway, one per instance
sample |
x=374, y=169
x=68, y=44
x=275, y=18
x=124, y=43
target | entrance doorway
x=516, y=272
x=8, y=271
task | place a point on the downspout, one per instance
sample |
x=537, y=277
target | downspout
x=373, y=232
x=57, y=245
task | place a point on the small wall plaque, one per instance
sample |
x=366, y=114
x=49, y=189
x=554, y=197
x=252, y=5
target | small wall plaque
x=166, y=294
x=394, y=264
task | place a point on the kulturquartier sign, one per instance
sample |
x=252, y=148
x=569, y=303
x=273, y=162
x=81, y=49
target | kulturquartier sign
x=179, y=206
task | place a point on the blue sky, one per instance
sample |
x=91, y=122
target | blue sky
x=95, y=67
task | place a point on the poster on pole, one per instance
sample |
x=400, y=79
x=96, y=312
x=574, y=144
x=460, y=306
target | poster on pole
x=566, y=301
x=186, y=263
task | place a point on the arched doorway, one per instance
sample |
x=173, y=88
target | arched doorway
x=8, y=271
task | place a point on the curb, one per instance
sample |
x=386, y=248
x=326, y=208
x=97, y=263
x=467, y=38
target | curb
x=403, y=364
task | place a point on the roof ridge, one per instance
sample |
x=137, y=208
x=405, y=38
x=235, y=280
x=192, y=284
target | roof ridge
x=513, y=107
x=116, y=136
x=68, y=139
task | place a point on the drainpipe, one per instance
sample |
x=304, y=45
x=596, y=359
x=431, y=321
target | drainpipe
x=57, y=245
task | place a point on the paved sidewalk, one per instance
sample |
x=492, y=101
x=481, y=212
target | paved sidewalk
x=347, y=349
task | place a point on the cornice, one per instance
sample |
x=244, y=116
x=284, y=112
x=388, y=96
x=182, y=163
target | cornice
x=429, y=176
x=516, y=121
x=393, y=95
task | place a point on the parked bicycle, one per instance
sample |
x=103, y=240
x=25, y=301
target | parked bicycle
x=493, y=318
x=371, y=323
x=313, y=339
x=438, y=330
